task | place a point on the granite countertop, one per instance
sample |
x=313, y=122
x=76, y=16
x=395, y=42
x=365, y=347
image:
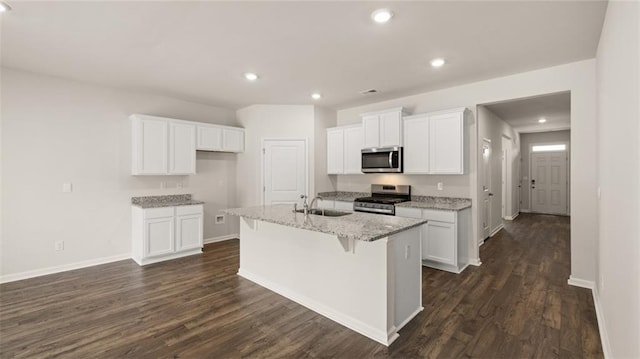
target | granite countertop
x=342, y=195
x=164, y=201
x=360, y=226
x=440, y=203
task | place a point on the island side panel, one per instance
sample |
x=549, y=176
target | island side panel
x=313, y=269
x=405, y=273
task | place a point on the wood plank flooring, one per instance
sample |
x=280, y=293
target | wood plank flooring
x=517, y=304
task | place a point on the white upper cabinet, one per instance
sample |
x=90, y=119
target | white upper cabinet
x=232, y=139
x=182, y=148
x=344, y=145
x=220, y=138
x=447, y=142
x=209, y=138
x=150, y=145
x=166, y=146
x=382, y=128
x=416, y=144
x=434, y=143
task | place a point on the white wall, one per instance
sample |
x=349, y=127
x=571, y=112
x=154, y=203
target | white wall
x=492, y=127
x=526, y=140
x=618, y=284
x=56, y=131
x=579, y=78
x=270, y=122
x=323, y=118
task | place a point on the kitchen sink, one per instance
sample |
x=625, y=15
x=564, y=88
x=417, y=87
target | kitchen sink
x=325, y=212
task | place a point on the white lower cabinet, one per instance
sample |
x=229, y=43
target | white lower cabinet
x=160, y=234
x=444, y=238
x=339, y=205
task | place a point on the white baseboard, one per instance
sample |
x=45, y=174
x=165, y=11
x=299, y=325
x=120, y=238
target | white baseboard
x=511, y=218
x=498, y=229
x=63, y=268
x=524, y=210
x=582, y=283
x=481, y=243
x=602, y=328
x=381, y=336
x=221, y=238
x=474, y=262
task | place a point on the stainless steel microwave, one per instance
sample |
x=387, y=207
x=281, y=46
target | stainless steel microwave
x=382, y=160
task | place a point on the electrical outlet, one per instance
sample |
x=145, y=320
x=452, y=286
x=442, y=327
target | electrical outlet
x=407, y=252
x=179, y=185
x=163, y=184
x=601, y=283
x=440, y=186
x=58, y=246
x=220, y=219
x=67, y=187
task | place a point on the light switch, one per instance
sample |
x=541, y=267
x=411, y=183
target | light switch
x=66, y=187
x=440, y=186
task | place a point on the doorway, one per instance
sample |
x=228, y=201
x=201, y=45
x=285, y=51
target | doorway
x=486, y=193
x=548, y=189
x=284, y=171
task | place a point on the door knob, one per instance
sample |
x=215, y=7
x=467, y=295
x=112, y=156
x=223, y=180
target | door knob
x=490, y=194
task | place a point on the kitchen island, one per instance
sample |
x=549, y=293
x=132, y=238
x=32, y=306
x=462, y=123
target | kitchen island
x=360, y=270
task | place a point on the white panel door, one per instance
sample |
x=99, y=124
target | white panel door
x=335, y=151
x=353, y=140
x=416, y=145
x=209, y=138
x=485, y=194
x=182, y=148
x=446, y=143
x=152, y=146
x=549, y=182
x=390, y=129
x=233, y=139
x=189, y=232
x=284, y=171
x=371, y=128
x=158, y=236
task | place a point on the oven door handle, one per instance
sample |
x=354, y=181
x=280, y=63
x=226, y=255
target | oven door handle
x=390, y=159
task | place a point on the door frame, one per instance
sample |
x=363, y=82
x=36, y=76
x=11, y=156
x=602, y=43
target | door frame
x=481, y=176
x=568, y=190
x=263, y=141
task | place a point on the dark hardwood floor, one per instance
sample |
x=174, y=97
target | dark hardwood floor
x=517, y=304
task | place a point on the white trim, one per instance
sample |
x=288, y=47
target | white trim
x=481, y=242
x=226, y=237
x=496, y=230
x=63, y=268
x=522, y=210
x=306, y=163
x=602, y=328
x=475, y=262
x=348, y=321
x=145, y=261
x=413, y=315
x=582, y=283
x=512, y=217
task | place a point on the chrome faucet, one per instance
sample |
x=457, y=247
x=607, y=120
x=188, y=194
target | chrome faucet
x=305, y=206
x=313, y=201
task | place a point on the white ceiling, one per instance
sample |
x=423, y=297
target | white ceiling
x=199, y=50
x=523, y=114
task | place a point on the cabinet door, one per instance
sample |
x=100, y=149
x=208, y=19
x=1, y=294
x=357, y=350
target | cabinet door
x=371, y=128
x=158, y=236
x=150, y=139
x=353, y=139
x=209, y=138
x=391, y=129
x=189, y=232
x=182, y=148
x=446, y=143
x=438, y=242
x=335, y=151
x=233, y=139
x=416, y=145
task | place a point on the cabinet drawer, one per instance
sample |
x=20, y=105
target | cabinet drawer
x=158, y=212
x=409, y=212
x=184, y=210
x=441, y=216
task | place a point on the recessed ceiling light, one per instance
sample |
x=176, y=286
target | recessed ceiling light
x=250, y=76
x=4, y=7
x=316, y=96
x=542, y=120
x=381, y=16
x=437, y=62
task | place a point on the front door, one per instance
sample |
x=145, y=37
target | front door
x=284, y=171
x=486, y=189
x=549, y=182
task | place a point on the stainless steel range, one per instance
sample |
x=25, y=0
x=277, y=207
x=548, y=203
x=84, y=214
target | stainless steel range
x=383, y=199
